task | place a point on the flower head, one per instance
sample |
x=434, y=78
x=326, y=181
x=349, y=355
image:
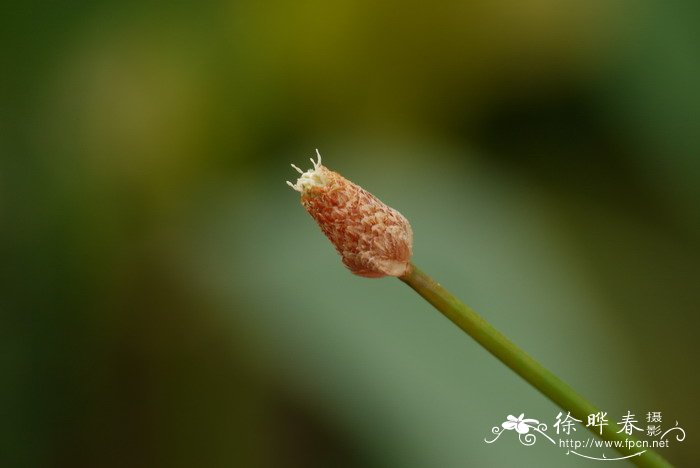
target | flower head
x=373, y=239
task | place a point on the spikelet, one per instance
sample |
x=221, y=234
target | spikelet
x=373, y=239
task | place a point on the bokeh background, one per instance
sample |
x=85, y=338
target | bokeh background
x=167, y=302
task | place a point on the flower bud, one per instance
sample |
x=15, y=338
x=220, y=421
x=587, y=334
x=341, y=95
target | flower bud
x=373, y=239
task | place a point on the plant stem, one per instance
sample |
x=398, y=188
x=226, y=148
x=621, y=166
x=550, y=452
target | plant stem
x=522, y=363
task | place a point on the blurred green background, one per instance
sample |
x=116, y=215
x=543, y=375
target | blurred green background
x=167, y=302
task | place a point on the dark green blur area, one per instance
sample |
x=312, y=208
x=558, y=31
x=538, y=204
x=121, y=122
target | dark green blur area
x=167, y=302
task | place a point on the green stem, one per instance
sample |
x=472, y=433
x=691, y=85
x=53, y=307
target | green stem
x=522, y=363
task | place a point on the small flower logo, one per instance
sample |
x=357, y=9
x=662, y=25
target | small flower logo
x=521, y=425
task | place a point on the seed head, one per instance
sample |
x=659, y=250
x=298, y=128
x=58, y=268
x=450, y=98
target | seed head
x=373, y=239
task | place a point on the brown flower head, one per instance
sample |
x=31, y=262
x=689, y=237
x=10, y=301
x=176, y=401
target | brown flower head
x=373, y=239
